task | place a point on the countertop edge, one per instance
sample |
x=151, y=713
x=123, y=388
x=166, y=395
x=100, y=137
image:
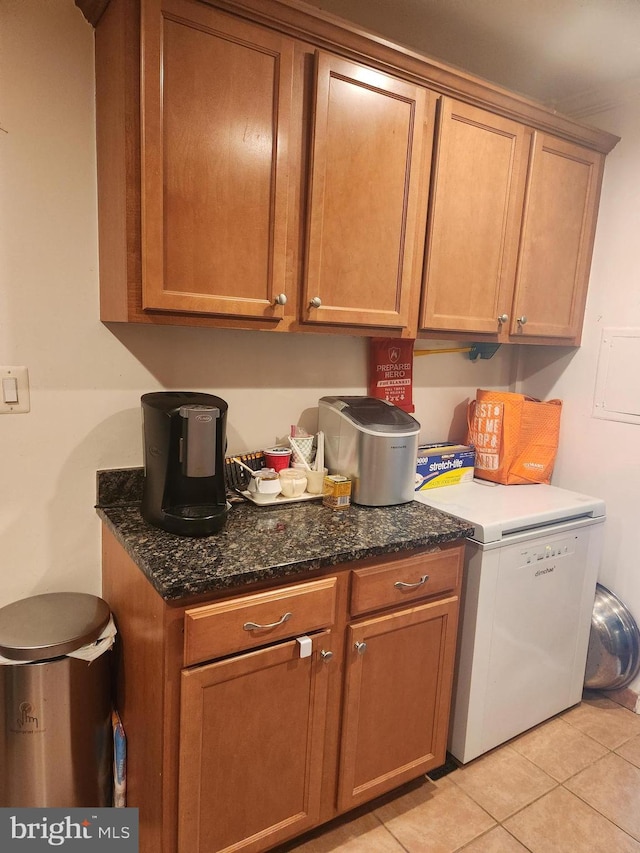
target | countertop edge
x=183, y=583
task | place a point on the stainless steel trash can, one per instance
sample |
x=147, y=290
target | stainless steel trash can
x=55, y=724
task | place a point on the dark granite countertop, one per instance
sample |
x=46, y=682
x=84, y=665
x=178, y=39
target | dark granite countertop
x=259, y=543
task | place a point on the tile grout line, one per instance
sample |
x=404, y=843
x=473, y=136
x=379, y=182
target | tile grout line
x=593, y=808
x=557, y=785
x=397, y=840
x=468, y=844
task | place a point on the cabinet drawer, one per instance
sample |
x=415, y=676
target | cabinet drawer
x=219, y=629
x=416, y=577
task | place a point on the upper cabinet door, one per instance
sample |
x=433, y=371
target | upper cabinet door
x=557, y=239
x=474, y=221
x=216, y=103
x=368, y=197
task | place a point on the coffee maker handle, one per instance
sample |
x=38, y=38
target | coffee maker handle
x=198, y=441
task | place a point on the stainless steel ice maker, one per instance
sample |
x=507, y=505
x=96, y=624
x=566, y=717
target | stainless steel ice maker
x=374, y=443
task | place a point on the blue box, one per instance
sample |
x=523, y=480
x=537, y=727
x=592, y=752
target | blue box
x=443, y=464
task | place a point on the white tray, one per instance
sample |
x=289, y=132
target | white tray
x=278, y=499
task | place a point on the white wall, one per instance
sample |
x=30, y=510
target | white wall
x=597, y=456
x=86, y=379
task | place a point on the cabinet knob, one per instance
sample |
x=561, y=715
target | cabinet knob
x=522, y=320
x=316, y=302
x=503, y=318
x=325, y=654
x=361, y=648
x=281, y=299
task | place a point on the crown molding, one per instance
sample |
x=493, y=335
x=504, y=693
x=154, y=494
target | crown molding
x=601, y=99
x=92, y=9
x=304, y=22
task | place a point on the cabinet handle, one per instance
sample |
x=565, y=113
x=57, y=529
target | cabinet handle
x=316, y=302
x=326, y=655
x=522, y=320
x=361, y=648
x=253, y=626
x=503, y=318
x=403, y=585
x=281, y=299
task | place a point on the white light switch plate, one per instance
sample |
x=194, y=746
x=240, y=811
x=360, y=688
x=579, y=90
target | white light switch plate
x=21, y=375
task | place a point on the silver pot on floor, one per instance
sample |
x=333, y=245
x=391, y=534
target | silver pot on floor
x=613, y=659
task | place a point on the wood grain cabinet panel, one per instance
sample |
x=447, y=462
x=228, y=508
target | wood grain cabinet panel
x=478, y=188
x=557, y=239
x=214, y=630
x=399, y=671
x=251, y=744
x=216, y=104
x=511, y=229
x=404, y=580
x=367, y=196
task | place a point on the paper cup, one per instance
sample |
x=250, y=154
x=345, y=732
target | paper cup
x=303, y=449
x=315, y=480
x=277, y=458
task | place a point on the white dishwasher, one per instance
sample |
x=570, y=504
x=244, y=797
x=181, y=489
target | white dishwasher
x=530, y=576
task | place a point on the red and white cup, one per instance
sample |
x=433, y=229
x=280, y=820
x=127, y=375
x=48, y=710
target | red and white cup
x=277, y=458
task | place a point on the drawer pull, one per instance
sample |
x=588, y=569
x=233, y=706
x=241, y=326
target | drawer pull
x=253, y=626
x=361, y=647
x=403, y=585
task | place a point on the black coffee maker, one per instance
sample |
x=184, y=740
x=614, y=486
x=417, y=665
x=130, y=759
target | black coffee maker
x=184, y=446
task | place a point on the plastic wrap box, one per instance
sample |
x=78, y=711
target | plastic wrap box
x=444, y=465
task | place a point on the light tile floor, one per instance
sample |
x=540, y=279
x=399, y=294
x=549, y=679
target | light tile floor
x=571, y=785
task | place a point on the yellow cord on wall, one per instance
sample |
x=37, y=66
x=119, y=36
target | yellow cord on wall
x=437, y=351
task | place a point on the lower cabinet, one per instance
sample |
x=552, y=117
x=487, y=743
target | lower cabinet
x=252, y=718
x=396, y=703
x=251, y=744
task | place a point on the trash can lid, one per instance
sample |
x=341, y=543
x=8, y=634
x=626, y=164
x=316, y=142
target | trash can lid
x=51, y=625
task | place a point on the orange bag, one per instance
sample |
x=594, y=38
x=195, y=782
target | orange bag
x=515, y=437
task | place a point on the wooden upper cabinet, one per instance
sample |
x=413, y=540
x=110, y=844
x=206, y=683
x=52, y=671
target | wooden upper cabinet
x=511, y=229
x=368, y=193
x=477, y=191
x=557, y=239
x=251, y=155
x=216, y=103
